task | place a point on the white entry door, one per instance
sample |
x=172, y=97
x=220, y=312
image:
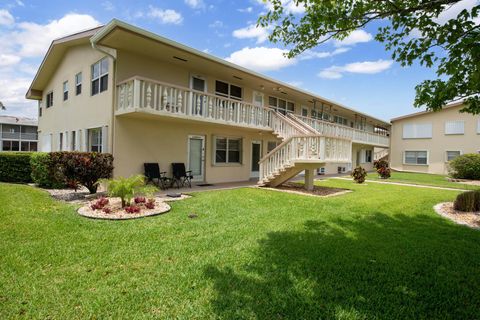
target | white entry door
x=196, y=157
x=256, y=155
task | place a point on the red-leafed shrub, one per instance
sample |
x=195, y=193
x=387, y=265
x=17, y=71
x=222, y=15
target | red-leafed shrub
x=100, y=203
x=150, y=204
x=132, y=209
x=382, y=168
x=359, y=174
x=139, y=200
x=82, y=168
x=107, y=210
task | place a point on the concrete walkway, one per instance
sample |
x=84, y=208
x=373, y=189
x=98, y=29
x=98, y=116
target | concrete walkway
x=215, y=186
x=405, y=184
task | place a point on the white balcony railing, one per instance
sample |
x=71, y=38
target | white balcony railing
x=140, y=94
x=336, y=130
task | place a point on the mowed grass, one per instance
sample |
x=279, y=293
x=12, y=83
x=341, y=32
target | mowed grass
x=435, y=180
x=377, y=252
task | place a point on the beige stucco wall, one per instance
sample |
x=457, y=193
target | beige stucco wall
x=164, y=140
x=438, y=144
x=78, y=112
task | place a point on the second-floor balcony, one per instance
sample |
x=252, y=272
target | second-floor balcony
x=139, y=94
x=19, y=135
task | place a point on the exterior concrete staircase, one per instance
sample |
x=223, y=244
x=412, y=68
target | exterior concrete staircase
x=302, y=148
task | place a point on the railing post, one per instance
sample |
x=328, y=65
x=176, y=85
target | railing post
x=136, y=93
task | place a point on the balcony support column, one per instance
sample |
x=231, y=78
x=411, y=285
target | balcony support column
x=309, y=179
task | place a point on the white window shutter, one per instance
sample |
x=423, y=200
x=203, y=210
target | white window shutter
x=362, y=156
x=78, y=140
x=417, y=130
x=454, y=127
x=105, y=139
x=66, y=145
x=46, y=143
x=85, y=140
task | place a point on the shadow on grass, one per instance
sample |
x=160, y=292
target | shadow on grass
x=376, y=267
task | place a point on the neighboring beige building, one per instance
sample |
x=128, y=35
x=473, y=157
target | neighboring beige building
x=18, y=134
x=145, y=98
x=426, y=141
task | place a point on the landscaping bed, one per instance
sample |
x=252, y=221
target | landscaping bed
x=446, y=209
x=317, y=190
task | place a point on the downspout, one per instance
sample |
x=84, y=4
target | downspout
x=112, y=53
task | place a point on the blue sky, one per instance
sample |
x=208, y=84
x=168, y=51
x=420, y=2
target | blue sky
x=357, y=72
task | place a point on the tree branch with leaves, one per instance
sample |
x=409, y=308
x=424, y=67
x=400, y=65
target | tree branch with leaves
x=412, y=30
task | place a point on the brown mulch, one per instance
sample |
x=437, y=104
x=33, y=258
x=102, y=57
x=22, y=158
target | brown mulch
x=317, y=190
x=471, y=219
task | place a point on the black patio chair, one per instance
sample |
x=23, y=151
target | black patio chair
x=181, y=177
x=152, y=173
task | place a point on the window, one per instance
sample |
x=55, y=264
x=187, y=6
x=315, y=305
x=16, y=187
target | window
x=271, y=145
x=49, y=99
x=198, y=84
x=228, y=90
x=228, y=150
x=454, y=127
x=74, y=141
x=100, y=76
x=368, y=156
x=258, y=99
x=95, y=140
x=478, y=126
x=417, y=130
x=416, y=157
x=65, y=90
x=60, y=141
x=450, y=155
x=340, y=120
x=29, y=146
x=78, y=83
x=304, y=112
x=8, y=145
x=281, y=105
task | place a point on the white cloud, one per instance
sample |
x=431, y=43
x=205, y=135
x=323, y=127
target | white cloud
x=8, y=59
x=33, y=39
x=6, y=18
x=365, y=67
x=357, y=36
x=195, y=4
x=452, y=11
x=246, y=10
x=216, y=24
x=251, y=31
x=310, y=54
x=108, y=5
x=261, y=58
x=289, y=6
x=167, y=16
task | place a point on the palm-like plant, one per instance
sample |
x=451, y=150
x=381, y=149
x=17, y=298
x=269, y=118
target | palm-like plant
x=127, y=188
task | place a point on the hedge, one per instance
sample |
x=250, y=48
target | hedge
x=43, y=171
x=466, y=166
x=15, y=167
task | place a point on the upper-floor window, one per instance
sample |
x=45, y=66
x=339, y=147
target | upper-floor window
x=281, y=105
x=258, y=99
x=100, y=76
x=417, y=130
x=65, y=90
x=454, y=127
x=78, y=83
x=340, y=120
x=49, y=99
x=228, y=90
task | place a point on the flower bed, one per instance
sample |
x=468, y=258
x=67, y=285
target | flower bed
x=111, y=208
x=471, y=219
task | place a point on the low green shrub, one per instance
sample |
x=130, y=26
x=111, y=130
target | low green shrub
x=82, y=168
x=15, y=167
x=468, y=201
x=359, y=174
x=43, y=171
x=466, y=166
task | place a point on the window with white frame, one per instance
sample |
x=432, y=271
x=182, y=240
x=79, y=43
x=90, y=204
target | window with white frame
x=228, y=90
x=454, y=127
x=100, y=76
x=78, y=83
x=258, y=98
x=281, y=105
x=304, y=111
x=60, y=141
x=417, y=131
x=95, y=140
x=49, y=99
x=74, y=141
x=65, y=91
x=228, y=150
x=368, y=156
x=340, y=120
x=416, y=157
x=478, y=126
x=450, y=155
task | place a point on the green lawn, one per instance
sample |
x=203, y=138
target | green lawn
x=435, y=180
x=378, y=252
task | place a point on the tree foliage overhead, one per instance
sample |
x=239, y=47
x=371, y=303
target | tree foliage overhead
x=413, y=30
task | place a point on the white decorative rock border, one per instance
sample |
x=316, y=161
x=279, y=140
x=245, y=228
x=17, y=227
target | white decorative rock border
x=119, y=214
x=469, y=219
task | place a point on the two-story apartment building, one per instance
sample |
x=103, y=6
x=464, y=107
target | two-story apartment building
x=426, y=141
x=145, y=98
x=18, y=134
